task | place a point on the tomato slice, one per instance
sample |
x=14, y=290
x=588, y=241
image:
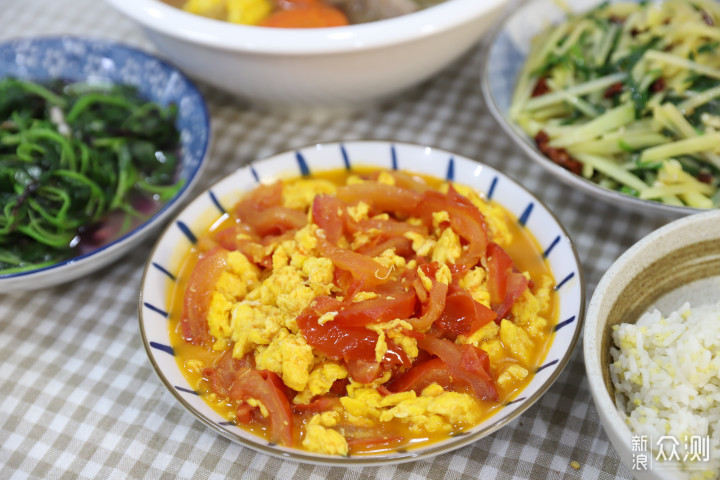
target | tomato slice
x=380, y=309
x=261, y=198
x=463, y=315
x=266, y=387
x=336, y=341
x=318, y=405
x=465, y=220
x=465, y=364
x=381, y=197
x=421, y=375
x=504, y=284
x=198, y=294
x=361, y=267
x=276, y=220
x=330, y=214
x=363, y=371
x=401, y=245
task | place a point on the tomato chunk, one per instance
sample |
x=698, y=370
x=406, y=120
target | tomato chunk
x=463, y=315
x=336, y=341
x=465, y=220
x=201, y=284
x=421, y=375
x=380, y=309
x=266, y=387
x=504, y=284
x=382, y=197
x=329, y=213
x=361, y=267
x=465, y=364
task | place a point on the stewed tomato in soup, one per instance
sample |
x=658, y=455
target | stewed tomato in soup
x=360, y=312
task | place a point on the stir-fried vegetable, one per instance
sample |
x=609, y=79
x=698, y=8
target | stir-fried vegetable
x=79, y=165
x=628, y=96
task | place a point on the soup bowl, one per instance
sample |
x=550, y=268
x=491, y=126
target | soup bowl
x=342, y=67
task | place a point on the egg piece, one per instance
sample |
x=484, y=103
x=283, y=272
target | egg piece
x=448, y=248
x=394, y=331
x=390, y=260
x=289, y=356
x=517, y=341
x=320, y=381
x=526, y=312
x=431, y=413
x=511, y=375
x=475, y=282
x=359, y=211
x=300, y=194
x=421, y=244
x=253, y=324
x=319, y=438
x=233, y=285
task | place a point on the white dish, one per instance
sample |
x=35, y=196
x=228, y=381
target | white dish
x=160, y=273
x=339, y=67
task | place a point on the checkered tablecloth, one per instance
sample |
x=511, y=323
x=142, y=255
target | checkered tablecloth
x=79, y=399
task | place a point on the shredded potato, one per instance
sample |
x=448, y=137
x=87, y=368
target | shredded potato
x=627, y=95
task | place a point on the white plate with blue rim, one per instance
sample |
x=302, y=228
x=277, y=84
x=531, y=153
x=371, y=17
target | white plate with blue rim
x=100, y=61
x=161, y=273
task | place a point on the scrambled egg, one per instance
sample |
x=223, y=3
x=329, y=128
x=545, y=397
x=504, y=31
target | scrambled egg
x=434, y=410
x=256, y=314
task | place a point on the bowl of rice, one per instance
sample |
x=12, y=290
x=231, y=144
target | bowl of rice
x=652, y=351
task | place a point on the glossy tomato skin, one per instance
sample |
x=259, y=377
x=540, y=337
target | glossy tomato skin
x=199, y=291
x=266, y=387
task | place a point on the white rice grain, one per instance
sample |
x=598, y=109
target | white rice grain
x=666, y=374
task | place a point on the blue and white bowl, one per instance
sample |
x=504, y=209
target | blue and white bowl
x=162, y=269
x=508, y=46
x=95, y=60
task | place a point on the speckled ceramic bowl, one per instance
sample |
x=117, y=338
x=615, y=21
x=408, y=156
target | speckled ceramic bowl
x=96, y=60
x=677, y=263
x=162, y=267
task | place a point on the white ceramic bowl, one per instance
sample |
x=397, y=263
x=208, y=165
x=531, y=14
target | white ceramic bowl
x=508, y=46
x=162, y=267
x=317, y=67
x=676, y=263
x=91, y=59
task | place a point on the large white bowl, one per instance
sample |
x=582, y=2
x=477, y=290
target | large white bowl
x=95, y=60
x=508, y=46
x=677, y=263
x=315, y=67
x=162, y=268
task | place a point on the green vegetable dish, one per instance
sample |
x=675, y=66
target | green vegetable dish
x=80, y=165
x=628, y=96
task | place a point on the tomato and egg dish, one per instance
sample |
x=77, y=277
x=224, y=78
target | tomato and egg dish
x=362, y=312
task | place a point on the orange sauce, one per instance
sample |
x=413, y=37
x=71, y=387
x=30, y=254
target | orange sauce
x=526, y=255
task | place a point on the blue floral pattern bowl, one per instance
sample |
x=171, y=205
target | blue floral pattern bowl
x=95, y=60
x=161, y=272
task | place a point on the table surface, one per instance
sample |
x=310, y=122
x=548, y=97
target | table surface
x=81, y=400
